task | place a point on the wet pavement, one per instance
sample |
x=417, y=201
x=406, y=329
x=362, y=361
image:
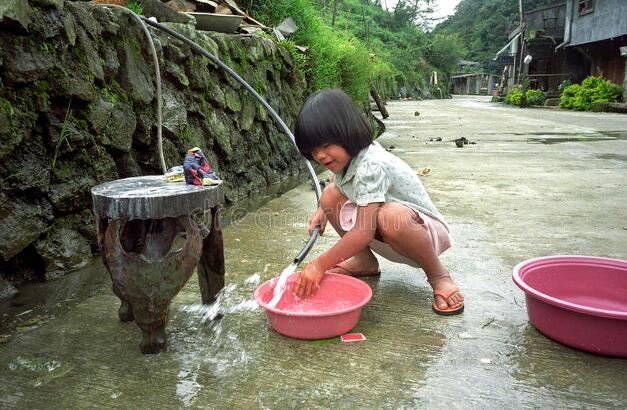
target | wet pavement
x=537, y=182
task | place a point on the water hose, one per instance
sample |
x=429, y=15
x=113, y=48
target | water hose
x=280, y=123
x=155, y=61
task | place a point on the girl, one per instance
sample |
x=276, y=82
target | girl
x=375, y=202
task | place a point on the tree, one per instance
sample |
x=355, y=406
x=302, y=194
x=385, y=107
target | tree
x=445, y=51
x=409, y=12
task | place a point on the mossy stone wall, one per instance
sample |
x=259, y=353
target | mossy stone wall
x=77, y=108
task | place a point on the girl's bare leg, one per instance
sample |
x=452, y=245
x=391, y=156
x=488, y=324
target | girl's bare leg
x=397, y=224
x=331, y=202
x=406, y=235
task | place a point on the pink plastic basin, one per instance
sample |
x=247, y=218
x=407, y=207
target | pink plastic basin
x=580, y=301
x=332, y=311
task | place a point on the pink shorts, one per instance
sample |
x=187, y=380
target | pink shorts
x=438, y=233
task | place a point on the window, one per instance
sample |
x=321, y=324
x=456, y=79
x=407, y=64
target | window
x=586, y=6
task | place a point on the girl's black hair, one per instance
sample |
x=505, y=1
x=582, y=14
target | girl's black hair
x=329, y=116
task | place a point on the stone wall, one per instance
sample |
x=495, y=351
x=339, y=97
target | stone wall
x=77, y=108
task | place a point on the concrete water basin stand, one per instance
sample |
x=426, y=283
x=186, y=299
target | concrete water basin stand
x=138, y=221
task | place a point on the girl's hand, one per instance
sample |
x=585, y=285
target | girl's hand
x=308, y=280
x=317, y=218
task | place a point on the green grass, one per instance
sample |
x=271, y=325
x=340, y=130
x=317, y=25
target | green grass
x=135, y=7
x=367, y=45
x=63, y=134
x=334, y=58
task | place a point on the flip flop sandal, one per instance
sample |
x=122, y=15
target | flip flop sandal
x=360, y=274
x=446, y=295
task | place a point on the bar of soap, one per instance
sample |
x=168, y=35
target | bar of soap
x=353, y=337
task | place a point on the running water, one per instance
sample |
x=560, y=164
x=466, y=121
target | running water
x=279, y=288
x=208, y=339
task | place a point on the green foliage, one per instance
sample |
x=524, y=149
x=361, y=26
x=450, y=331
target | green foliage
x=445, y=51
x=334, y=59
x=64, y=171
x=513, y=95
x=355, y=66
x=366, y=45
x=382, y=77
x=5, y=106
x=563, y=85
x=135, y=6
x=298, y=57
x=404, y=52
x=111, y=96
x=535, y=97
x=114, y=93
x=592, y=90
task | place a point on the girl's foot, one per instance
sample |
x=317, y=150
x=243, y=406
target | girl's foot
x=444, y=285
x=362, y=264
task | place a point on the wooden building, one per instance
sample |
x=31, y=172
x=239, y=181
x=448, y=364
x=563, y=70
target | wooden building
x=597, y=29
x=569, y=41
x=473, y=84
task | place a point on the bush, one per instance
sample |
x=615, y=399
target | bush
x=513, y=95
x=592, y=90
x=563, y=85
x=535, y=97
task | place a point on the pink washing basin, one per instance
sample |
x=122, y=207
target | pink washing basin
x=580, y=301
x=332, y=311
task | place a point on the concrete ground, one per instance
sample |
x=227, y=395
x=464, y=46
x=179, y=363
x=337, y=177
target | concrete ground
x=537, y=182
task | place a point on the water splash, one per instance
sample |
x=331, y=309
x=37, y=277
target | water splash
x=228, y=300
x=35, y=365
x=187, y=388
x=254, y=279
x=204, y=312
x=279, y=287
x=208, y=340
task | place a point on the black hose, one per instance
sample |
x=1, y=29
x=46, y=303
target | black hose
x=314, y=234
x=312, y=239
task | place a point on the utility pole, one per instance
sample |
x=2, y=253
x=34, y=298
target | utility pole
x=521, y=49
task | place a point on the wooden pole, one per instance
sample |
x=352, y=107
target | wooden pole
x=521, y=33
x=378, y=101
x=363, y=14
